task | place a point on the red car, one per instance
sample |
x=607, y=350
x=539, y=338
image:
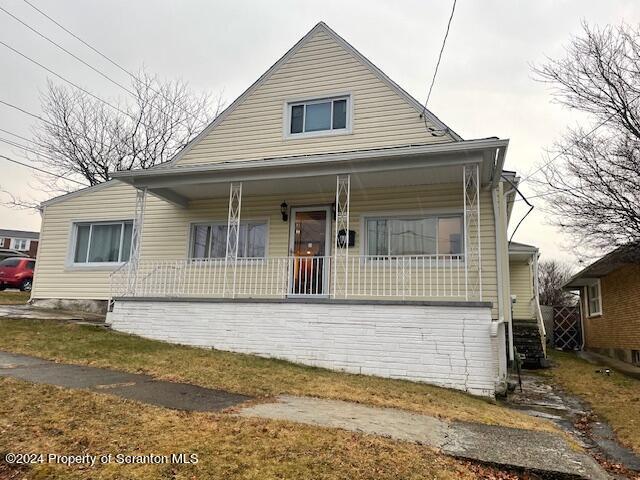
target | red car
x=17, y=272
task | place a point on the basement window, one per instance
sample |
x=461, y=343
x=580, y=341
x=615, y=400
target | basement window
x=319, y=117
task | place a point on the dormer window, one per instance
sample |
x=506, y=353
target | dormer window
x=319, y=117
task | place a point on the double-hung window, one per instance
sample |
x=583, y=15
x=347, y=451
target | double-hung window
x=209, y=240
x=594, y=298
x=20, y=244
x=102, y=242
x=420, y=235
x=322, y=116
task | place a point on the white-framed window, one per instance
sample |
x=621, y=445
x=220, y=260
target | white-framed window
x=209, y=240
x=20, y=244
x=594, y=298
x=414, y=235
x=102, y=242
x=318, y=117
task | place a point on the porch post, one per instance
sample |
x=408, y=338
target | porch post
x=472, y=245
x=136, y=240
x=341, y=249
x=233, y=235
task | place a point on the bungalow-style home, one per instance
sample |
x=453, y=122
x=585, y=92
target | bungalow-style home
x=610, y=304
x=26, y=243
x=325, y=217
x=528, y=325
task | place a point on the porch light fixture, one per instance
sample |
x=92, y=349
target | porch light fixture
x=284, y=210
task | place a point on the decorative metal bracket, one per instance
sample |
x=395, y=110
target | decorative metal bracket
x=472, y=245
x=341, y=249
x=233, y=231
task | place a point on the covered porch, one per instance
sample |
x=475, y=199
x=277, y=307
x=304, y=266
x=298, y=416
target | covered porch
x=362, y=239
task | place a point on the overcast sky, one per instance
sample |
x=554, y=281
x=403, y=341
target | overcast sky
x=484, y=88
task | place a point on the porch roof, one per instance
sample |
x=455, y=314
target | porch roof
x=405, y=165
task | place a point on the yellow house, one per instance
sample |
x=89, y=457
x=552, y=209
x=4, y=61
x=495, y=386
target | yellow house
x=325, y=217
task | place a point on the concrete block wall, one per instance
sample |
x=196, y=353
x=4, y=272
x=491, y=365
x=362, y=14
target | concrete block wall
x=449, y=346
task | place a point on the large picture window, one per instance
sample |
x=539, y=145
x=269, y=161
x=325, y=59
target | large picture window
x=427, y=235
x=210, y=240
x=102, y=242
x=317, y=116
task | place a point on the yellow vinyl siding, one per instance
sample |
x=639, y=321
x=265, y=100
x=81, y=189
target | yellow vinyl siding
x=320, y=68
x=167, y=227
x=54, y=278
x=521, y=282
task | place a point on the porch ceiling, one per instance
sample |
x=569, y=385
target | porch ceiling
x=413, y=165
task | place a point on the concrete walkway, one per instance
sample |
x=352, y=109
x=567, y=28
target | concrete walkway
x=536, y=451
x=143, y=388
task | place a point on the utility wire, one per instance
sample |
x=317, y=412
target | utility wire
x=24, y=147
x=67, y=52
x=65, y=79
x=515, y=187
x=444, y=42
x=41, y=170
x=18, y=136
x=15, y=107
x=107, y=58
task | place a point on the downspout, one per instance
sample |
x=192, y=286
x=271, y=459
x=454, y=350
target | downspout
x=500, y=233
x=497, y=194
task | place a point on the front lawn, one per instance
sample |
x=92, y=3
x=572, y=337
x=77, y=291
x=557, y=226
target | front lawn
x=52, y=420
x=615, y=398
x=14, y=297
x=245, y=374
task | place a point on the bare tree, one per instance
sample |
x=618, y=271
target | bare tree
x=85, y=139
x=594, y=184
x=552, y=274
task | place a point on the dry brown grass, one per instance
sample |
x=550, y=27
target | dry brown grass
x=615, y=398
x=246, y=374
x=14, y=297
x=46, y=419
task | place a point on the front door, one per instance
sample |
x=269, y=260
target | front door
x=310, y=245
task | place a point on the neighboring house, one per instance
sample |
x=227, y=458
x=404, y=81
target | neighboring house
x=528, y=325
x=20, y=241
x=610, y=304
x=325, y=217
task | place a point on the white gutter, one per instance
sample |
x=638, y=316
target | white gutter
x=412, y=150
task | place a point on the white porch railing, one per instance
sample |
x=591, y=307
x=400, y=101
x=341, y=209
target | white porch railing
x=366, y=277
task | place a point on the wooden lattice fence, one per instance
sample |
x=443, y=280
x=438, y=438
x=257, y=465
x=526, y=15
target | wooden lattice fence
x=567, y=332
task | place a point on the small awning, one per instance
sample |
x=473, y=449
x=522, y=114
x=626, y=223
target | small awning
x=522, y=251
x=397, y=166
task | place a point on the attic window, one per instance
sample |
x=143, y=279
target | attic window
x=319, y=117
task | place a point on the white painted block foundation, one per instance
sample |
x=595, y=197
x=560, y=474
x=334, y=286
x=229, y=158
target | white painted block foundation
x=449, y=346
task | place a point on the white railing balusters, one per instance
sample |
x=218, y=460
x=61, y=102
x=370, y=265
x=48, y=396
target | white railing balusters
x=369, y=277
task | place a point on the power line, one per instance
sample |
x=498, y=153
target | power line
x=65, y=79
x=42, y=171
x=67, y=51
x=10, y=105
x=565, y=150
x=18, y=136
x=28, y=149
x=444, y=42
x=107, y=58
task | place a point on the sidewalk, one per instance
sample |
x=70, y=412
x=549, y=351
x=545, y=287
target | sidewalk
x=143, y=388
x=532, y=450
